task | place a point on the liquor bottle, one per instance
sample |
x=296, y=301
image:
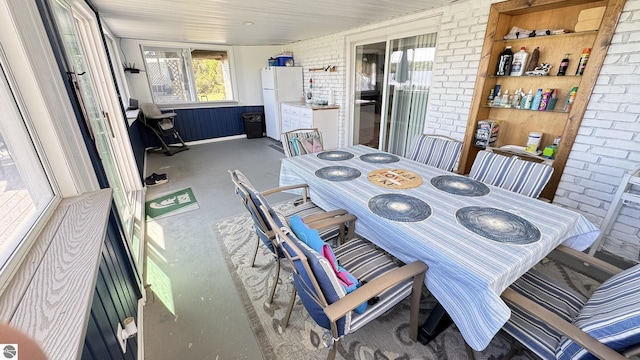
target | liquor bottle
x=504, y=62
x=564, y=64
x=584, y=57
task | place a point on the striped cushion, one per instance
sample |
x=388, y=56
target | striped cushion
x=361, y=259
x=511, y=173
x=556, y=297
x=436, y=151
x=611, y=315
x=366, y=262
x=287, y=146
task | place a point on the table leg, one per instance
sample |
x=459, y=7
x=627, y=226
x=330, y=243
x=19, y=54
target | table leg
x=437, y=321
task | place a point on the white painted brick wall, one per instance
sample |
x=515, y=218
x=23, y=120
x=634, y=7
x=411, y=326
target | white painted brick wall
x=608, y=144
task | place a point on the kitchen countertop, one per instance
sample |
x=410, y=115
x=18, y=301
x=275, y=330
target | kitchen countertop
x=311, y=106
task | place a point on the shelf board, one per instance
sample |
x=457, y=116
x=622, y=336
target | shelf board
x=555, y=111
x=554, y=38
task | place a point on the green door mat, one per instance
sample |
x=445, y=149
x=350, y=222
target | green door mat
x=171, y=204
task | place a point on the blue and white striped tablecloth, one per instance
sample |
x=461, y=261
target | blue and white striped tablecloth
x=467, y=272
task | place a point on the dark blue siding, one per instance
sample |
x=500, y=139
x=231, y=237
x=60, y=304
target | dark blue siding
x=204, y=124
x=137, y=144
x=115, y=298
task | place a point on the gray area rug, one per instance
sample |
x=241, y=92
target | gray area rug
x=385, y=338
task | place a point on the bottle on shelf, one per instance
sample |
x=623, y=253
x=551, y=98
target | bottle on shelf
x=490, y=98
x=535, y=104
x=503, y=67
x=497, y=98
x=582, y=63
x=553, y=100
x=504, y=102
x=564, y=64
x=519, y=62
x=571, y=97
x=517, y=97
x=528, y=100
x=533, y=60
x=544, y=102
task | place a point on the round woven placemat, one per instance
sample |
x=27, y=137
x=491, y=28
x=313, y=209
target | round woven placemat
x=395, y=178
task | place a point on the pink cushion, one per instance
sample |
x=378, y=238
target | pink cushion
x=312, y=145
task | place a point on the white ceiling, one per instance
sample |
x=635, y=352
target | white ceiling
x=275, y=22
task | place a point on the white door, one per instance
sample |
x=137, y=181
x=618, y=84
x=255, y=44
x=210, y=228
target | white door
x=100, y=126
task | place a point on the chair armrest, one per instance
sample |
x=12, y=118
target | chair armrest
x=557, y=323
x=331, y=218
x=162, y=116
x=589, y=260
x=325, y=215
x=304, y=188
x=376, y=286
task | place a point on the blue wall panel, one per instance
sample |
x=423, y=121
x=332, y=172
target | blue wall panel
x=204, y=124
x=115, y=298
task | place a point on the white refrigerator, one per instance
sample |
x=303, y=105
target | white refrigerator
x=279, y=84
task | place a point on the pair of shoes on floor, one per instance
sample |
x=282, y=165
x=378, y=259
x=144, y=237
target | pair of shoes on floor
x=156, y=179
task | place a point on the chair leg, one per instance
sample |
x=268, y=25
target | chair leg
x=285, y=321
x=416, y=293
x=333, y=351
x=276, y=277
x=255, y=253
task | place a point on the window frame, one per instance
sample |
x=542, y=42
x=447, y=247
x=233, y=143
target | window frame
x=48, y=116
x=192, y=47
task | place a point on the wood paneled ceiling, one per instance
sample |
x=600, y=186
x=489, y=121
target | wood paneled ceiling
x=274, y=22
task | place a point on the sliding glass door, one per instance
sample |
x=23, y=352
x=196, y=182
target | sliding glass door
x=409, y=80
x=390, y=88
x=368, y=85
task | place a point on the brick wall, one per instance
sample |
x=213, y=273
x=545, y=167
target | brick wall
x=608, y=144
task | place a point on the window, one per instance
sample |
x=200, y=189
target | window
x=184, y=75
x=25, y=191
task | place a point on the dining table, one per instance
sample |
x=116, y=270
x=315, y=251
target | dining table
x=476, y=239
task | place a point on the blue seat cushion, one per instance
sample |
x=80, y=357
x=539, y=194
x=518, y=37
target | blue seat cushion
x=611, y=315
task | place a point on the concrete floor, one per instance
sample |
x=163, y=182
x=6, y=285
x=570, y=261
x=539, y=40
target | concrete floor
x=193, y=310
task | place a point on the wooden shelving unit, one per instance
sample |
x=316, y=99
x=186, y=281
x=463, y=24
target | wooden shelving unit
x=516, y=124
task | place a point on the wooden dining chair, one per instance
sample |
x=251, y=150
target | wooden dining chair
x=511, y=173
x=374, y=282
x=436, y=150
x=304, y=207
x=555, y=322
x=301, y=141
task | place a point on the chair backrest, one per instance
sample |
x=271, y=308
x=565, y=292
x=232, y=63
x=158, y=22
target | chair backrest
x=511, y=173
x=292, y=141
x=313, y=277
x=149, y=109
x=611, y=315
x=253, y=202
x=436, y=150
